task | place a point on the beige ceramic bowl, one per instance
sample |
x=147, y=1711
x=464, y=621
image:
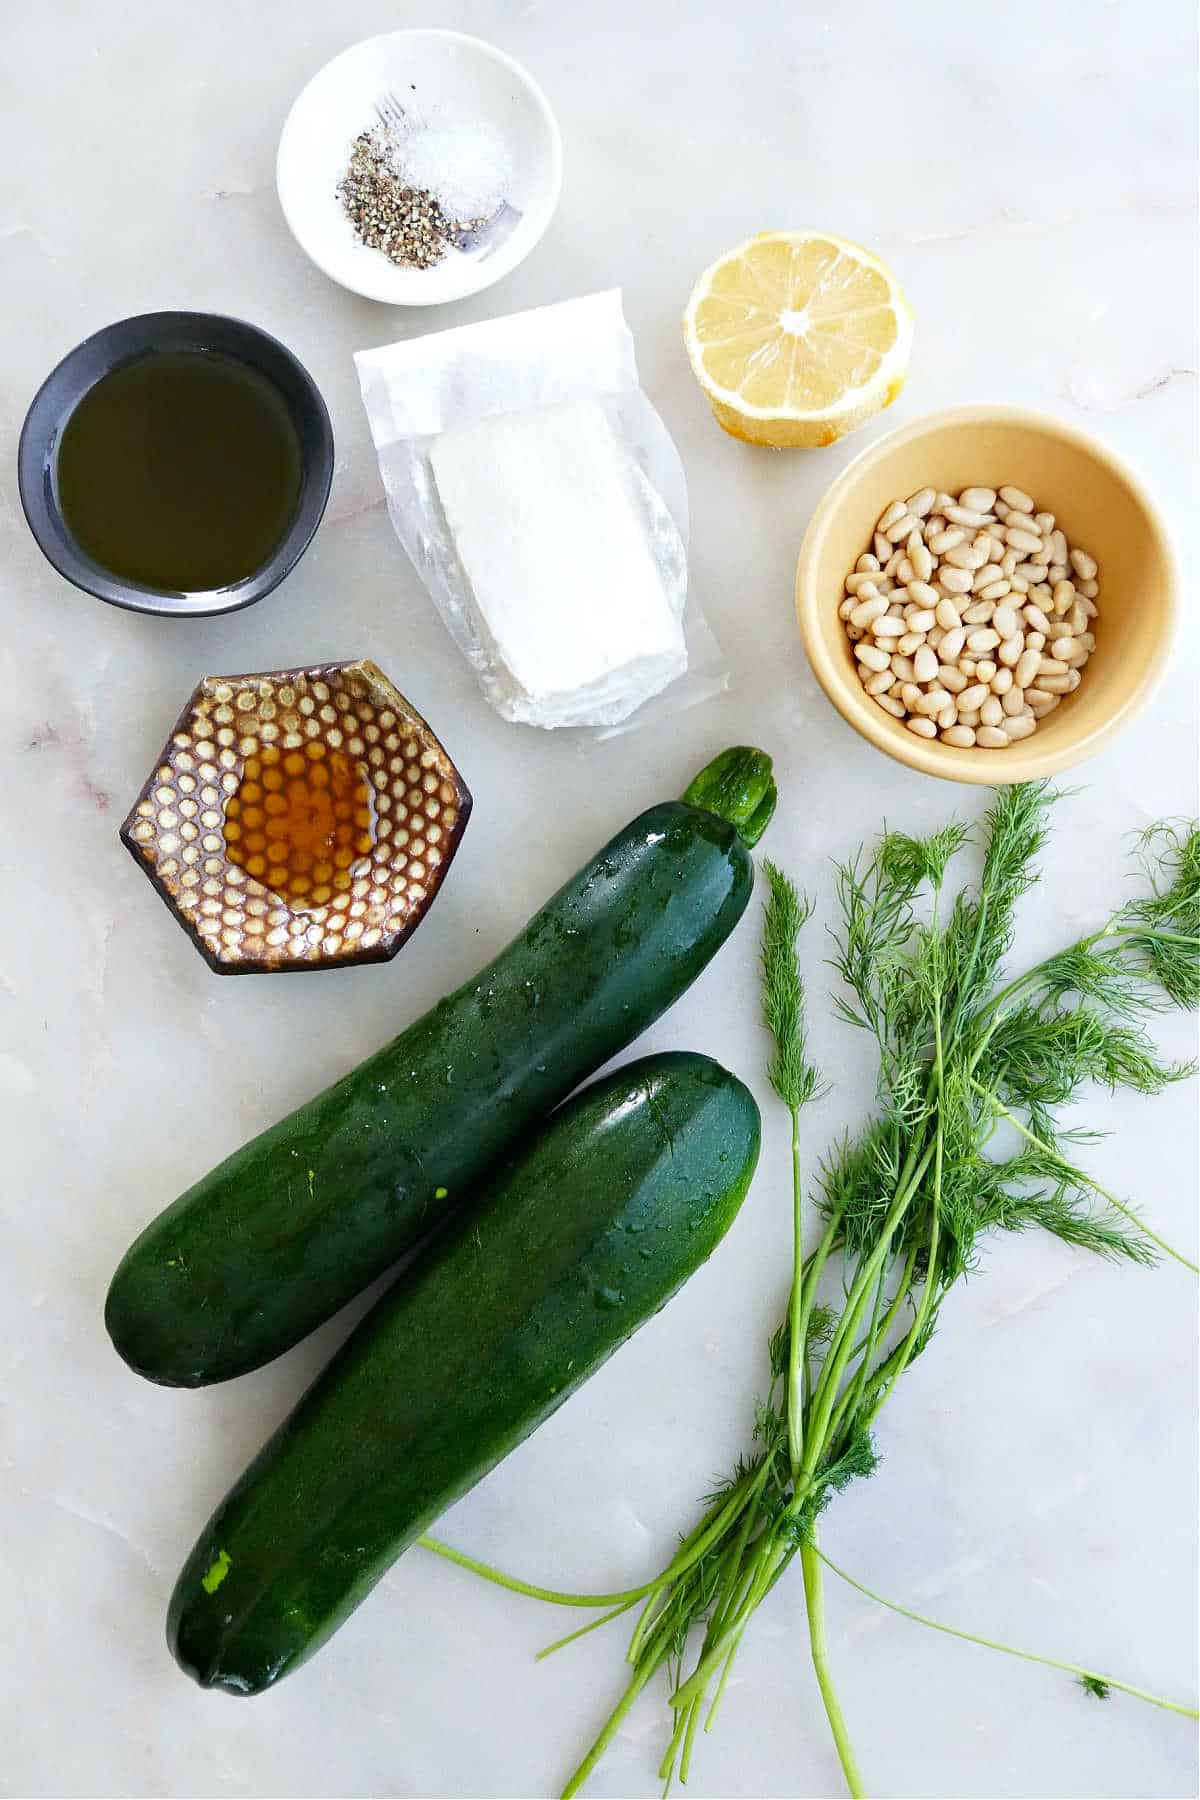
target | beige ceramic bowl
x=1101, y=507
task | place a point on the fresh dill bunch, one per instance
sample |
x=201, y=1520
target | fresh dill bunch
x=791, y=1074
x=904, y=1207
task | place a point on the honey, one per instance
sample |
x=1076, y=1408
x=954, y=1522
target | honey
x=299, y=821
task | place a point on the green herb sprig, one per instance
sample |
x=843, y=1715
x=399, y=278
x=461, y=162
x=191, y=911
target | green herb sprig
x=905, y=1206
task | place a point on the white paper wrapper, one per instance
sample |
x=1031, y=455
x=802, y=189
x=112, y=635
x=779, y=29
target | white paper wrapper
x=578, y=351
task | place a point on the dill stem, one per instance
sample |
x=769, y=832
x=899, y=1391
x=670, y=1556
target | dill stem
x=516, y=1586
x=608, y=1730
x=839, y=1350
x=592, y=1625
x=972, y=1637
x=798, y=1327
x=1071, y=1168
x=814, y=1596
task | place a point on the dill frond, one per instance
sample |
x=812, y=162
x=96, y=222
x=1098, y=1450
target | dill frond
x=791, y=1074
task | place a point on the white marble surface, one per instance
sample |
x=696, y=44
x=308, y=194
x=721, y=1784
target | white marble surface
x=1028, y=170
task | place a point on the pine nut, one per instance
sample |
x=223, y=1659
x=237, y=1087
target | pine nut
x=1027, y=668
x=978, y=499
x=951, y=646
x=920, y=558
x=905, y=571
x=888, y=627
x=969, y=719
x=967, y=665
x=985, y=670
x=1001, y=510
x=946, y=614
x=1057, y=572
x=1041, y=703
x=922, y=727
x=966, y=515
x=941, y=541
x=1058, y=543
x=922, y=593
x=996, y=590
x=954, y=581
x=1012, y=703
x=873, y=658
x=910, y=642
x=910, y=694
x=880, y=683
x=1078, y=618
x=889, y=705
x=1001, y=682
x=942, y=501
x=1088, y=640
x=1083, y=565
x=1050, y=665
x=972, y=698
x=1004, y=620
x=966, y=556
x=1016, y=539
x=893, y=563
x=902, y=667
x=979, y=641
x=1029, y=572
x=866, y=563
x=1014, y=497
x=991, y=712
x=847, y=607
x=1059, y=628
x=924, y=619
x=960, y=735
x=920, y=503
x=986, y=575
x=864, y=582
x=952, y=679
x=854, y=632
x=934, y=637
x=925, y=663
x=1089, y=605
x=1036, y=617
x=1071, y=651
x=933, y=702
x=1011, y=650
x=1044, y=522
x=1035, y=640
x=980, y=613
x=1053, y=684
x=900, y=529
x=1063, y=596
x=990, y=737
x=881, y=547
x=895, y=511
x=1074, y=677
x=1016, y=729
x=868, y=610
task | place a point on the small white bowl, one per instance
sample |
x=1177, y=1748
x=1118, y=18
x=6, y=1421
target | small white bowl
x=438, y=74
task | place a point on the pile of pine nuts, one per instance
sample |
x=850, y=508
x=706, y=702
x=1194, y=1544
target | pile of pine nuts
x=971, y=618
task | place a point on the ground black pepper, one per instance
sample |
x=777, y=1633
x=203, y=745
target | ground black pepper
x=408, y=224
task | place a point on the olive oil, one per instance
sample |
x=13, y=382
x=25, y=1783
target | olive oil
x=299, y=821
x=180, y=471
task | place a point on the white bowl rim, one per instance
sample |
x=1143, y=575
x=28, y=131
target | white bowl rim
x=478, y=275
x=944, y=760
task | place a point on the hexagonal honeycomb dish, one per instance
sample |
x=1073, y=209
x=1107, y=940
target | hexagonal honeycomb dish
x=176, y=828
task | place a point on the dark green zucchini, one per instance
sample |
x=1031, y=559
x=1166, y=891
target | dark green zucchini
x=572, y=1245
x=290, y=1227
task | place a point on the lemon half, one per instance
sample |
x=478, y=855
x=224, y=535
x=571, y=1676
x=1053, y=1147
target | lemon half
x=796, y=337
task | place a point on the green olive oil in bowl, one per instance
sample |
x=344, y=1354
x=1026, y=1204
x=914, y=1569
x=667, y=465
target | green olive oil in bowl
x=180, y=470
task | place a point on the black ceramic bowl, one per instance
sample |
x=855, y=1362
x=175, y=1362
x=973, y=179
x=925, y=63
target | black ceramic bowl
x=98, y=356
